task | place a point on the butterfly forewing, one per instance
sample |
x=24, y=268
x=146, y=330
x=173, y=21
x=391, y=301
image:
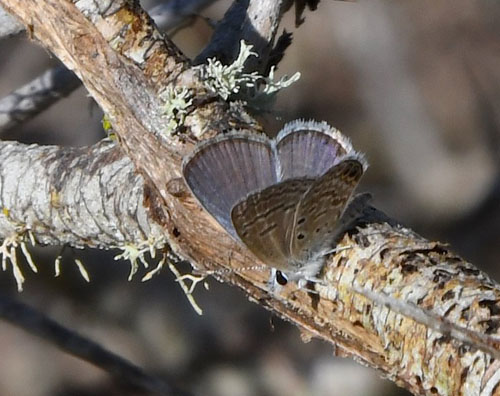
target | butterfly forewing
x=309, y=149
x=223, y=171
x=320, y=208
x=264, y=220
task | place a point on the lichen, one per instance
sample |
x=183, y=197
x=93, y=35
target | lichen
x=135, y=253
x=8, y=251
x=226, y=80
x=231, y=81
x=263, y=95
x=188, y=290
x=83, y=270
x=177, y=101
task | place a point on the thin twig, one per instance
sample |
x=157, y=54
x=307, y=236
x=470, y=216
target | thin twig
x=170, y=15
x=254, y=21
x=31, y=99
x=77, y=345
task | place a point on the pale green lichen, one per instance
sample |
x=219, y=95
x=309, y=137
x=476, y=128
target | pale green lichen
x=20, y=237
x=226, y=80
x=263, y=95
x=57, y=265
x=177, y=101
x=135, y=253
x=188, y=290
x=78, y=262
x=83, y=270
x=231, y=82
x=8, y=251
x=155, y=271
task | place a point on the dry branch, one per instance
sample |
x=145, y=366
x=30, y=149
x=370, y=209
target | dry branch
x=125, y=63
x=45, y=90
x=256, y=22
x=54, y=192
x=31, y=99
x=73, y=343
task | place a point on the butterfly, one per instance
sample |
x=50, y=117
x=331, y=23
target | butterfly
x=286, y=199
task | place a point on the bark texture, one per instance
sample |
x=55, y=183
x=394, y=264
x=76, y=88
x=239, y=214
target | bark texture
x=84, y=197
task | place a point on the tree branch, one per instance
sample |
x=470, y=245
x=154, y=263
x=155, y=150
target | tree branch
x=256, y=22
x=73, y=343
x=31, y=99
x=45, y=90
x=82, y=196
x=172, y=14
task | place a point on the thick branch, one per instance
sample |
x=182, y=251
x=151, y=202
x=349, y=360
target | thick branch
x=89, y=196
x=423, y=315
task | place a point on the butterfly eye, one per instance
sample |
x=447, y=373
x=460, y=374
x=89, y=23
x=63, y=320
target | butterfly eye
x=281, y=278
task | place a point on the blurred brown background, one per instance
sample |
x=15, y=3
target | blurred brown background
x=416, y=85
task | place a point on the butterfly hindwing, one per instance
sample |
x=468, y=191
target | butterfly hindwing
x=309, y=149
x=263, y=221
x=320, y=209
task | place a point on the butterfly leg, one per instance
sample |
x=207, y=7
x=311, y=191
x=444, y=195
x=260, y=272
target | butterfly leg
x=338, y=249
